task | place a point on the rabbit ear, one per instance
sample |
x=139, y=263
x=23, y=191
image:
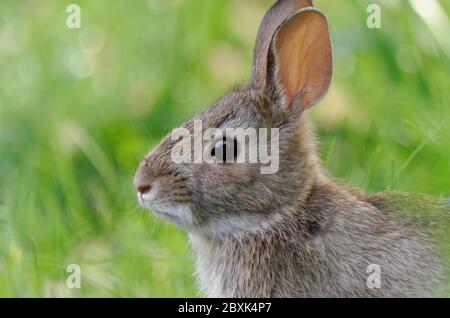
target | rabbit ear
x=300, y=60
x=279, y=11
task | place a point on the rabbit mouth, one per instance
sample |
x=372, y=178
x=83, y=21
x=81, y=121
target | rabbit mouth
x=177, y=213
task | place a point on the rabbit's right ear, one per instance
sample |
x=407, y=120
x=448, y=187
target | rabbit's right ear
x=298, y=66
x=279, y=12
x=300, y=61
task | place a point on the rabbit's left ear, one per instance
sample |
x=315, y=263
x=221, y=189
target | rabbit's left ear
x=300, y=60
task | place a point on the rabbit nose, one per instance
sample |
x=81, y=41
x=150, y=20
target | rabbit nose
x=144, y=189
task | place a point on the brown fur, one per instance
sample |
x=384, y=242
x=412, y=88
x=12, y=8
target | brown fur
x=298, y=232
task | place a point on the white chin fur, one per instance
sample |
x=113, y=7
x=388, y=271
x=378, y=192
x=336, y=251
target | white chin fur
x=238, y=226
x=177, y=213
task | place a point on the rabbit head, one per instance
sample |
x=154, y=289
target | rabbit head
x=291, y=72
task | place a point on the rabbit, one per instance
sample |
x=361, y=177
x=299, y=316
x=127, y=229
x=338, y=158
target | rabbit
x=297, y=232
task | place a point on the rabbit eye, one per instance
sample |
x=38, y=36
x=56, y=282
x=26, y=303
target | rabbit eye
x=225, y=150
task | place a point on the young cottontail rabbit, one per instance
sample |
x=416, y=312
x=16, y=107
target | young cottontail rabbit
x=295, y=232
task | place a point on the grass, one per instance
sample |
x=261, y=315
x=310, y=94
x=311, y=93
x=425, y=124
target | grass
x=80, y=107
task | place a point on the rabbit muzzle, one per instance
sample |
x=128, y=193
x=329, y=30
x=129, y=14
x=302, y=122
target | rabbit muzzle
x=156, y=193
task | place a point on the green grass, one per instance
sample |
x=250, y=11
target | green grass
x=80, y=107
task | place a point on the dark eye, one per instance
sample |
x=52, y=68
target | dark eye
x=225, y=150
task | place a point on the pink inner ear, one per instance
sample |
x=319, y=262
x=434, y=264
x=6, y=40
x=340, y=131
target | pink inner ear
x=273, y=18
x=292, y=76
x=303, y=51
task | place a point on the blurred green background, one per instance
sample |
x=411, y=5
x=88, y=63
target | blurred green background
x=80, y=107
